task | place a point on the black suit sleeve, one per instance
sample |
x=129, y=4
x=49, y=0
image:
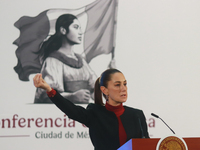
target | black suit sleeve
x=73, y=111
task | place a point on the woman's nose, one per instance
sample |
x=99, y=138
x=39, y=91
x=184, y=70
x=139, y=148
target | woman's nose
x=123, y=87
x=80, y=32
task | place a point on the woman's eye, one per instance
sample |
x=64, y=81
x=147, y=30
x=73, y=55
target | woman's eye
x=76, y=26
x=117, y=85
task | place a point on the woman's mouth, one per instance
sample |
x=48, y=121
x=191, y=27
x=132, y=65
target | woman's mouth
x=80, y=38
x=123, y=95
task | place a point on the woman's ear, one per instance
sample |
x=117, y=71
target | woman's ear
x=62, y=30
x=104, y=90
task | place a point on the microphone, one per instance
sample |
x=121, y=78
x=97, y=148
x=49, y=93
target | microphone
x=162, y=121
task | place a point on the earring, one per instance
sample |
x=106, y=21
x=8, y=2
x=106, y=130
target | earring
x=107, y=96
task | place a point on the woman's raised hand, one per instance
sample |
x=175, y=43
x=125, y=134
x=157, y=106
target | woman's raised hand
x=39, y=82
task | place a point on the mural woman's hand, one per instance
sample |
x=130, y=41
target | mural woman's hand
x=81, y=96
x=39, y=82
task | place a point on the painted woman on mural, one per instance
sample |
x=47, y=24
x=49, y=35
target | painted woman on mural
x=62, y=68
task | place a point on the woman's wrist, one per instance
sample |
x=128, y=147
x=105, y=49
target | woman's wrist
x=51, y=93
x=48, y=89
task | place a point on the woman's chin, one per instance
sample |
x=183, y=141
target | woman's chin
x=123, y=100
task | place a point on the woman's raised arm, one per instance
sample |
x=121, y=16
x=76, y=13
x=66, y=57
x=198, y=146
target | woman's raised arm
x=77, y=113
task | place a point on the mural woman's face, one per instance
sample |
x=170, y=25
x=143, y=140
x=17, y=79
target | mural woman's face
x=75, y=33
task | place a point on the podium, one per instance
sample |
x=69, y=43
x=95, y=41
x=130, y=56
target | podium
x=151, y=144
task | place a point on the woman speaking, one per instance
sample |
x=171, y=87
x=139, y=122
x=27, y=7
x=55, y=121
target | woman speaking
x=111, y=124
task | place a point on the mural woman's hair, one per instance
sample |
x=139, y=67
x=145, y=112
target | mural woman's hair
x=103, y=81
x=55, y=41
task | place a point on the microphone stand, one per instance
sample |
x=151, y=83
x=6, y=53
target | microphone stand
x=162, y=121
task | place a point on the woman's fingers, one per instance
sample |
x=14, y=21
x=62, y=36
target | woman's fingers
x=34, y=80
x=37, y=80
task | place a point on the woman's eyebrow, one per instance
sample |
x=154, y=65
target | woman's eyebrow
x=119, y=81
x=76, y=25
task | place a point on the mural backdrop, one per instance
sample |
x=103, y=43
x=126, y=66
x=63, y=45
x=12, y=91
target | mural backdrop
x=154, y=43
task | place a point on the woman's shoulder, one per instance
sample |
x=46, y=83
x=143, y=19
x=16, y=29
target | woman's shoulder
x=131, y=109
x=134, y=112
x=95, y=106
x=52, y=60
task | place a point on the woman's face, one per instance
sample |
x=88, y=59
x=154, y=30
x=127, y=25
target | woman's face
x=116, y=89
x=75, y=34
